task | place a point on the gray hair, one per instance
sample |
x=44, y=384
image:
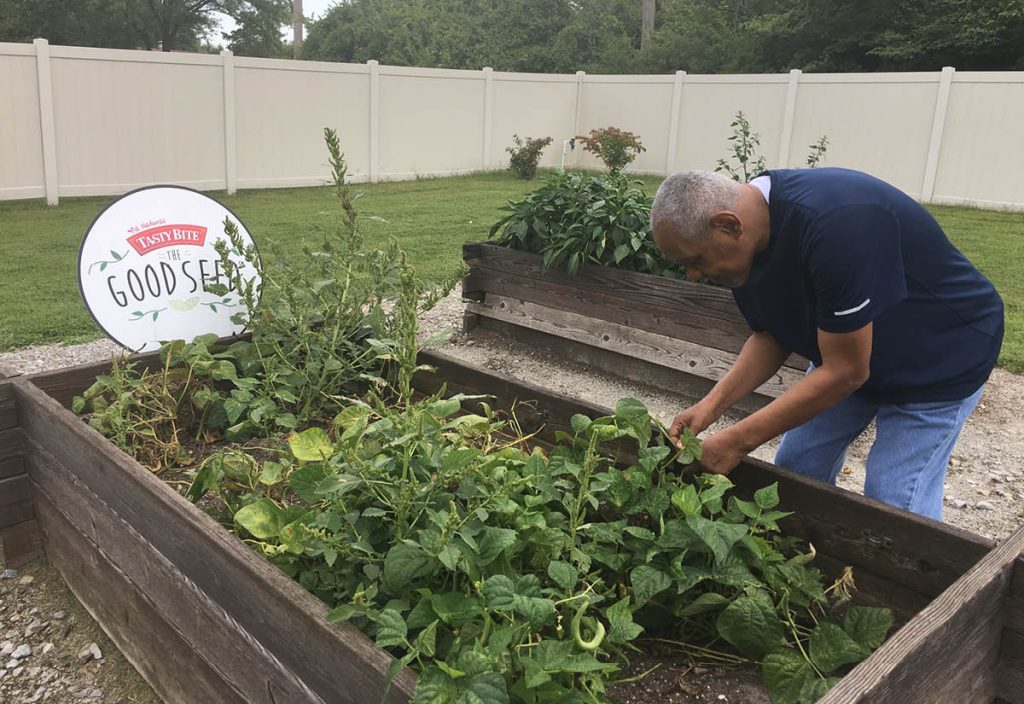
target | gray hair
x=689, y=199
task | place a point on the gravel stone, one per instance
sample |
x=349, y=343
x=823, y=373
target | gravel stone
x=985, y=506
x=22, y=652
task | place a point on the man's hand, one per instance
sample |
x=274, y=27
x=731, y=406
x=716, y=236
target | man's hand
x=721, y=453
x=697, y=418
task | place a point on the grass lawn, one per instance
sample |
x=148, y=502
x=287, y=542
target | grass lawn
x=40, y=302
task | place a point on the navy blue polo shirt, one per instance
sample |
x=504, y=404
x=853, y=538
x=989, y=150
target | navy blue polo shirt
x=846, y=249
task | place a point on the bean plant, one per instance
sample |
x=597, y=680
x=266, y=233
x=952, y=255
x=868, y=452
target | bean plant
x=509, y=575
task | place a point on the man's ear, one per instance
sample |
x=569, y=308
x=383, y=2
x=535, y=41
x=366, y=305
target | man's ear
x=728, y=222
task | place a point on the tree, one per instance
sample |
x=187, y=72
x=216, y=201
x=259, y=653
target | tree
x=258, y=30
x=145, y=24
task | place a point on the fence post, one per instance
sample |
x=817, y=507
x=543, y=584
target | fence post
x=580, y=77
x=931, y=167
x=673, y=123
x=488, y=114
x=374, y=118
x=230, y=143
x=46, y=122
x=786, y=139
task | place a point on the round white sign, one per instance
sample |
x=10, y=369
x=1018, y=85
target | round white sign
x=145, y=264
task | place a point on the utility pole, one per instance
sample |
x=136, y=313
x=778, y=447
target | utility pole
x=297, y=28
x=647, y=23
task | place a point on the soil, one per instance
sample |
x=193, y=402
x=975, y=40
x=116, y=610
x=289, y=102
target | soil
x=984, y=494
x=677, y=680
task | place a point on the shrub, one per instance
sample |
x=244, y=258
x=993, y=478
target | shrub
x=526, y=154
x=616, y=148
x=747, y=162
x=576, y=219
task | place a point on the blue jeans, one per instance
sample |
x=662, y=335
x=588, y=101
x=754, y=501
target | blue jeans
x=906, y=465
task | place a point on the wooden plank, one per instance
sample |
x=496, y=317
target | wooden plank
x=917, y=553
x=659, y=349
x=620, y=365
x=156, y=649
x=10, y=442
x=1015, y=600
x=8, y=412
x=11, y=466
x=706, y=315
x=19, y=544
x=239, y=660
x=1010, y=673
x=335, y=660
x=13, y=491
x=947, y=654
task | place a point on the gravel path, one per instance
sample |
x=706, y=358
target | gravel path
x=984, y=494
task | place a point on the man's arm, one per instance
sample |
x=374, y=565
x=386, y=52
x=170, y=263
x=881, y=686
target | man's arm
x=845, y=367
x=760, y=358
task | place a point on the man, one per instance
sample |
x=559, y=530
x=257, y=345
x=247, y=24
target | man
x=853, y=274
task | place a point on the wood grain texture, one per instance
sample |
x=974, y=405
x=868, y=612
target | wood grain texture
x=15, y=493
x=177, y=673
x=949, y=653
x=8, y=411
x=669, y=352
x=1015, y=600
x=1010, y=673
x=706, y=315
x=20, y=544
x=173, y=597
x=337, y=662
x=12, y=465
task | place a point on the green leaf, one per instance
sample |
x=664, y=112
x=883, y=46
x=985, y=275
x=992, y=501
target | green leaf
x=499, y=591
x=311, y=445
x=831, y=647
x=719, y=536
x=493, y=541
x=786, y=673
x=633, y=414
x=868, y=625
x=620, y=253
x=686, y=500
x=263, y=519
x=648, y=581
x=445, y=407
x=751, y=625
x=404, y=563
x=767, y=497
x=455, y=608
x=563, y=574
x=620, y=621
x=304, y=481
x=391, y=628
x=485, y=688
x=434, y=687
x=426, y=641
x=205, y=480
x=580, y=423
x=709, y=601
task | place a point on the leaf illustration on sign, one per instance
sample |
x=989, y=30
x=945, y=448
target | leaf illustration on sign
x=104, y=262
x=139, y=315
x=186, y=305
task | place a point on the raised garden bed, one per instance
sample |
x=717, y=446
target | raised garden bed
x=662, y=331
x=204, y=618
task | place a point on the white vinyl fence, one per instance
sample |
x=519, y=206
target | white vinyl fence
x=78, y=121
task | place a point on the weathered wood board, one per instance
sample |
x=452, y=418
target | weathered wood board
x=692, y=329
